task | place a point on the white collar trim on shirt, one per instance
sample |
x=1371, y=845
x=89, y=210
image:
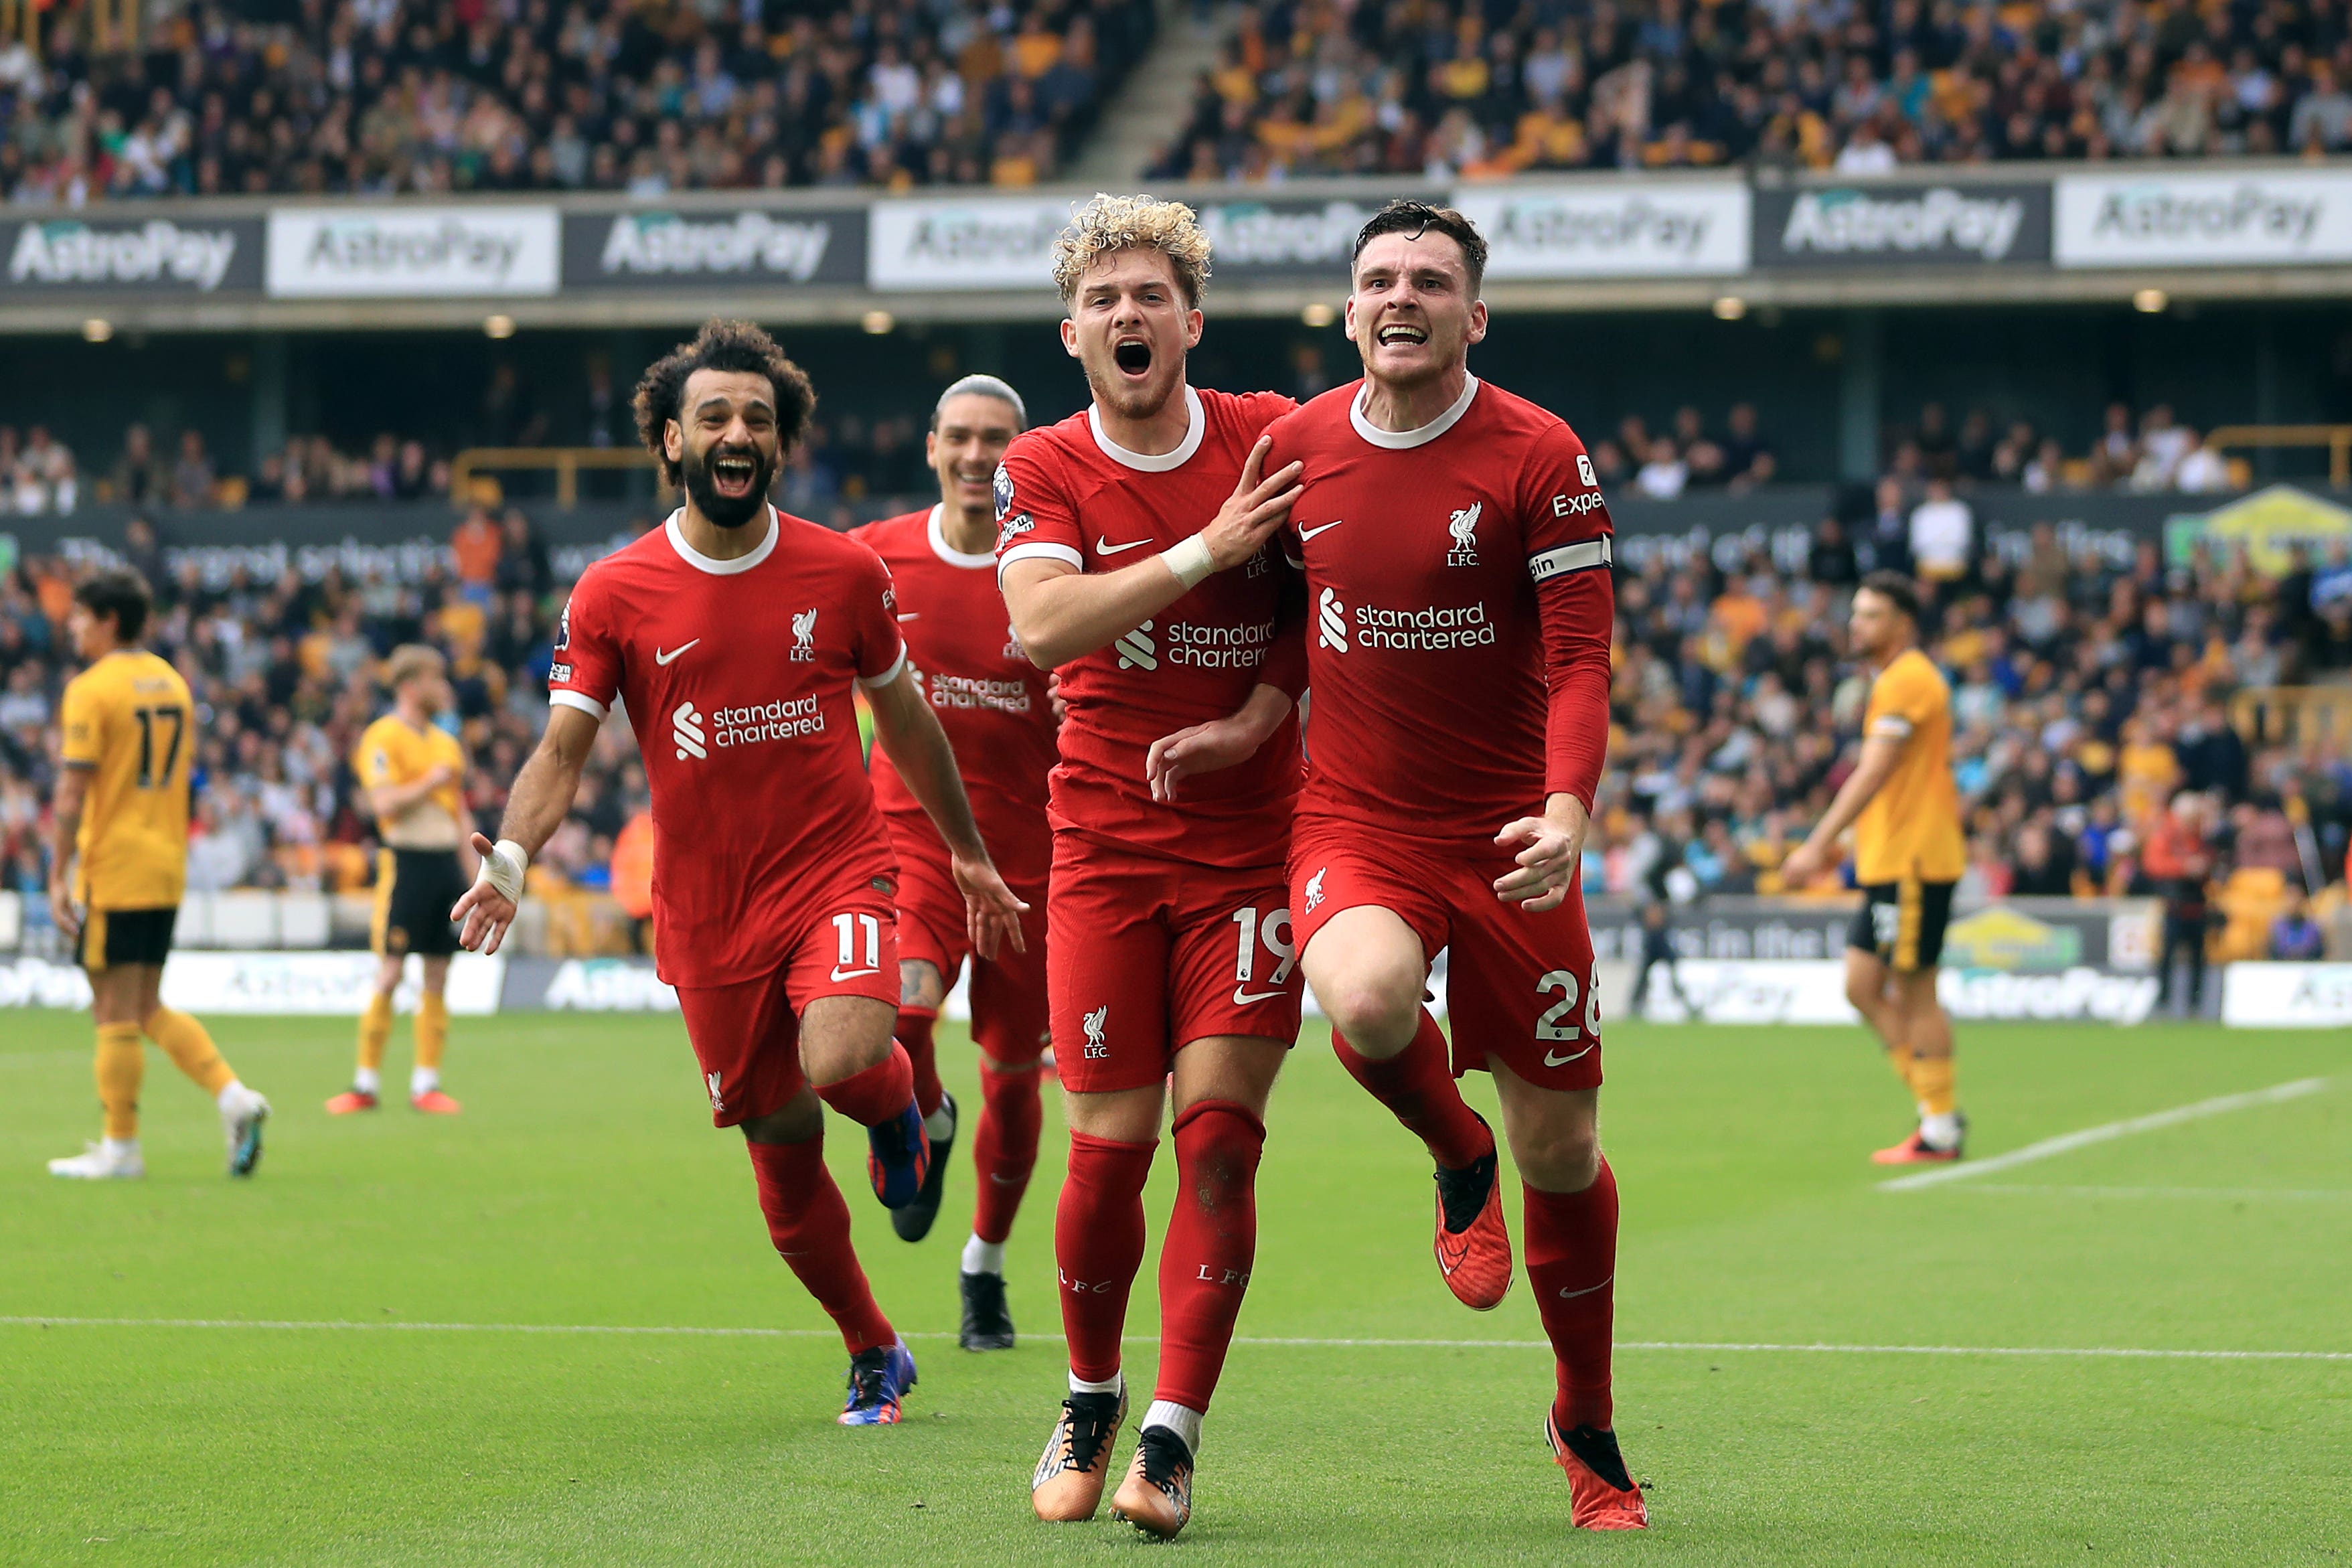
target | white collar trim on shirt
x=1147, y=462
x=1400, y=440
x=948, y=552
x=717, y=568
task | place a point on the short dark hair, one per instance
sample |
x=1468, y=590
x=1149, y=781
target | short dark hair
x=721, y=345
x=1414, y=219
x=1896, y=590
x=121, y=592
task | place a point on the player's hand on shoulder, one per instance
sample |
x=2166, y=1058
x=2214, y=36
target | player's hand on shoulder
x=1260, y=503
x=1551, y=856
x=992, y=913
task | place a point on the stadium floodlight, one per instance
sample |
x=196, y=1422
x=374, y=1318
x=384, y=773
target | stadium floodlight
x=1318, y=314
x=878, y=323
x=500, y=327
x=97, y=329
x=2150, y=301
x=1730, y=307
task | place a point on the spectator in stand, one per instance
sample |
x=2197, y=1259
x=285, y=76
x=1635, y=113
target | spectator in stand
x=2295, y=937
x=140, y=477
x=475, y=546
x=1941, y=535
x=2177, y=861
x=1830, y=561
x=1663, y=474
x=192, y=476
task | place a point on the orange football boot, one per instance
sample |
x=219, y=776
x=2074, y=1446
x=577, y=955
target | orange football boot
x=1157, y=1496
x=433, y=1102
x=1597, y=1501
x=350, y=1101
x=1474, y=1254
x=1915, y=1151
x=1069, y=1484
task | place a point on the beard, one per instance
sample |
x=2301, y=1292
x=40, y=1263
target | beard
x=724, y=510
x=1132, y=400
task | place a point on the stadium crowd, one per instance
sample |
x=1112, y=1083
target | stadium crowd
x=2092, y=737
x=1412, y=88
x=377, y=96
x=848, y=461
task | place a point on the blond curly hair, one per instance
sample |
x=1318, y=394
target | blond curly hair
x=1110, y=222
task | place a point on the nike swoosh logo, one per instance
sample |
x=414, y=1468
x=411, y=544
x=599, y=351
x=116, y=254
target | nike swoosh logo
x=1307, y=533
x=1549, y=1060
x=666, y=660
x=840, y=974
x=1105, y=547
x=1244, y=998
x=917, y=615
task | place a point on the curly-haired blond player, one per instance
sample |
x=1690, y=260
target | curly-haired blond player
x=1133, y=552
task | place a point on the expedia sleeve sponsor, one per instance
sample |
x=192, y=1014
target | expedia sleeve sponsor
x=73, y=255
x=1873, y=225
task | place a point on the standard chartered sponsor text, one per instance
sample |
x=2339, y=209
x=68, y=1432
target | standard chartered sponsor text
x=1210, y=647
x=975, y=691
x=1429, y=629
x=782, y=720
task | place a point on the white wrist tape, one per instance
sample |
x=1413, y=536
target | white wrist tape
x=503, y=867
x=1191, y=561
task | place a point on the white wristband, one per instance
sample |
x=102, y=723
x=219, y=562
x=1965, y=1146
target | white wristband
x=503, y=867
x=1191, y=561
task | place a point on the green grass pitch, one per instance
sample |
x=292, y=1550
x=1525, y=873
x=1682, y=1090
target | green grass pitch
x=583, y=1187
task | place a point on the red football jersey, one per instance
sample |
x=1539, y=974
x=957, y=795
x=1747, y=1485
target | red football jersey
x=1066, y=494
x=737, y=675
x=992, y=702
x=1458, y=655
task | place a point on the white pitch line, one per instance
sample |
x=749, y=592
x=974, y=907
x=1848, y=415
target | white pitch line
x=684, y=1330
x=2241, y=1194
x=2068, y=1142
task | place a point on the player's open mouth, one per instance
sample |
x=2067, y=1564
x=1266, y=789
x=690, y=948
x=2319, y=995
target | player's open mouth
x=1132, y=355
x=733, y=476
x=1402, y=332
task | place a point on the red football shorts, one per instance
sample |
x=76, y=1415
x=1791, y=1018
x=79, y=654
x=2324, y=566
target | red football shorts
x=1009, y=1017
x=1148, y=954
x=1518, y=986
x=747, y=1035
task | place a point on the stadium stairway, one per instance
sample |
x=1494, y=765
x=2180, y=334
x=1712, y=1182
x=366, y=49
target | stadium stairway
x=1145, y=113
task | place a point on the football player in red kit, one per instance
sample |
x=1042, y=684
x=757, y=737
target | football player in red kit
x=1134, y=549
x=997, y=709
x=1456, y=553
x=735, y=634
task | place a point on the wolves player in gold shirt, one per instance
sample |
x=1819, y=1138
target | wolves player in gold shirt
x=1905, y=808
x=411, y=768
x=119, y=865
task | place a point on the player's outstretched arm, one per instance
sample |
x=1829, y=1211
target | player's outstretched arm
x=535, y=808
x=1060, y=613
x=65, y=828
x=1219, y=743
x=1811, y=859
x=906, y=728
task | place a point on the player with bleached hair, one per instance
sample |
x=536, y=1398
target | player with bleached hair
x=1133, y=551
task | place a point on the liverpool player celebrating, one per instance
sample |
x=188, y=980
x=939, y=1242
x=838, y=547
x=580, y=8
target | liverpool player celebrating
x=1169, y=930
x=734, y=634
x=1455, y=549
x=997, y=709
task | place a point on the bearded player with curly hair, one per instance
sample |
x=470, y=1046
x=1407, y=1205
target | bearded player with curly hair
x=735, y=634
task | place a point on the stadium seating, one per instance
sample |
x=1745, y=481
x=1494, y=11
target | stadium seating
x=1401, y=88
x=435, y=96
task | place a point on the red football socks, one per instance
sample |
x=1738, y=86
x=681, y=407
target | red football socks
x=1204, y=1266
x=1099, y=1245
x=1004, y=1150
x=915, y=1038
x=1417, y=1086
x=810, y=1225
x=1571, y=1252
x=876, y=1095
